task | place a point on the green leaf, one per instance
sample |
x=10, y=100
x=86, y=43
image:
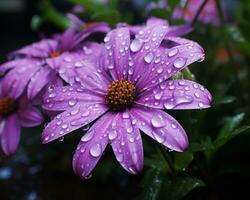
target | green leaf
x=49, y=13
x=230, y=124
x=152, y=184
x=182, y=160
x=89, y=5
x=110, y=16
x=181, y=186
x=224, y=100
x=160, y=12
x=172, y=3
x=227, y=137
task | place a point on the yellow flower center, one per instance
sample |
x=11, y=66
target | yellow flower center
x=54, y=54
x=7, y=106
x=120, y=94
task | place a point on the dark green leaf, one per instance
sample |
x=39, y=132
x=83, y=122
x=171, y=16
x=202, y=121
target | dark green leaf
x=110, y=16
x=151, y=183
x=182, y=160
x=181, y=186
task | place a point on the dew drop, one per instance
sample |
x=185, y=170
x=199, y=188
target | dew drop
x=87, y=137
x=172, y=52
x=112, y=135
x=179, y=62
x=157, y=121
x=136, y=45
x=149, y=57
x=96, y=150
x=72, y=102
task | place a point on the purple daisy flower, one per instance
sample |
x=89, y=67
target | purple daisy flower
x=14, y=114
x=126, y=91
x=38, y=68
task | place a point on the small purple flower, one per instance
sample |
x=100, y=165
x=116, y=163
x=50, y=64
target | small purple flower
x=188, y=10
x=14, y=114
x=125, y=91
x=38, y=65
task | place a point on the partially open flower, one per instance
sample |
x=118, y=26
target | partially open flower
x=14, y=114
x=38, y=66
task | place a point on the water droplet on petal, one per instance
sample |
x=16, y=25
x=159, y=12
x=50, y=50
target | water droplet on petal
x=157, y=121
x=96, y=150
x=136, y=45
x=87, y=137
x=112, y=135
x=179, y=62
x=106, y=39
x=72, y=102
x=159, y=138
x=158, y=95
x=149, y=57
x=172, y=52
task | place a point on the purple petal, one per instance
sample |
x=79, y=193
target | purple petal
x=143, y=47
x=117, y=44
x=17, y=79
x=179, y=30
x=153, y=21
x=70, y=120
x=66, y=41
x=81, y=68
x=39, y=81
x=10, y=135
x=29, y=116
x=176, y=94
x=127, y=143
x=161, y=127
x=91, y=147
x=40, y=49
x=14, y=63
x=63, y=98
x=168, y=62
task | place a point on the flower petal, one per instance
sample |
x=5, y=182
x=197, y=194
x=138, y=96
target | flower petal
x=176, y=94
x=17, y=79
x=40, y=49
x=161, y=127
x=168, y=62
x=39, y=81
x=70, y=120
x=63, y=98
x=127, y=143
x=29, y=116
x=91, y=146
x=117, y=44
x=14, y=63
x=146, y=41
x=81, y=67
x=10, y=135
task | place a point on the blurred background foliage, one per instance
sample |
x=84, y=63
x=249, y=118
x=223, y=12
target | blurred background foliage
x=217, y=163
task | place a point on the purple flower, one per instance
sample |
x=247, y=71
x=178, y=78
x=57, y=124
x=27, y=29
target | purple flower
x=14, y=114
x=125, y=91
x=188, y=10
x=38, y=66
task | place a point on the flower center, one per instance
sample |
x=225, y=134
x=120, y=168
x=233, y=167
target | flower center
x=120, y=94
x=7, y=106
x=88, y=25
x=54, y=54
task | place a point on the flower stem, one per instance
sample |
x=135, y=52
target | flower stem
x=199, y=12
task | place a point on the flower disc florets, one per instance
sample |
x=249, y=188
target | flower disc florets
x=54, y=54
x=120, y=94
x=7, y=106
